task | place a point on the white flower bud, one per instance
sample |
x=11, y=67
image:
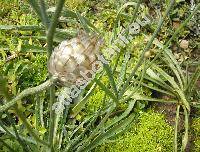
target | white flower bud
x=73, y=56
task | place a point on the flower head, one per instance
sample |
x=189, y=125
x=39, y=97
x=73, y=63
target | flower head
x=73, y=56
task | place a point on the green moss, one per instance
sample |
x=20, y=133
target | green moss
x=151, y=134
x=75, y=4
x=13, y=144
x=95, y=101
x=36, y=73
x=196, y=134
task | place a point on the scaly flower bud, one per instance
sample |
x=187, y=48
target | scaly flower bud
x=73, y=56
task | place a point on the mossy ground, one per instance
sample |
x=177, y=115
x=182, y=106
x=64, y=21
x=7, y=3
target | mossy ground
x=151, y=133
x=195, y=134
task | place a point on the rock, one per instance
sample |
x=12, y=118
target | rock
x=184, y=44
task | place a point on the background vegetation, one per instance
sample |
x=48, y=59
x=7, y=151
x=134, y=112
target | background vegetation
x=146, y=99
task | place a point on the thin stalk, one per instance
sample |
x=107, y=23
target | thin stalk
x=135, y=11
x=139, y=83
x=126, y=31
x=22, y=27
x=45, y=18
x=117, y=61
x=139, y=63
x=58, y=115
x=37, y=109
x=191, y=84
x=132, y=19
x=111, y=78
x=104, y=88
x=182, y=25
x=41, y=112
x=134, y=16
x=186, y=125
x=52, y=27
x=62, y=124
x=27, y=92
x=50, y=35
x=52, y=116
x=123, y=69
x=176, y=129
x=56, y=124
x=40, y=11
x=36, y=7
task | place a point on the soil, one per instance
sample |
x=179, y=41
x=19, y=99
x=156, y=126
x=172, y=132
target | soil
x=169, y=110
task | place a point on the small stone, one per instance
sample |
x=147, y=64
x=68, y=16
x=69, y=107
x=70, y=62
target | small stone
x=176, y=24
x=184, y=44
x=177, y=55
x=147, y=54
x=174, y=48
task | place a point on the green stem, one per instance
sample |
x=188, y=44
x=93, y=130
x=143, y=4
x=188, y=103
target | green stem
x=139, y=63
x=27, y=92
x=52, y=116
x=52, y=27
x=191, y=84
x=176, y=128
x=36, y=7
x=45, y=18
x=104, y=88
x=186, y=125
x=50, y=35
x=135, y=11
x=111, y=78
x=22, y=27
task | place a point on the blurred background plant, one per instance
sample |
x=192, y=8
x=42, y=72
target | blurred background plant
x=114, y=112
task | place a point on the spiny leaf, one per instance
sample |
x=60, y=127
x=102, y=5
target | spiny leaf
x=111, y=132
x=21, y=27
x=104, y=88
x=111, y=78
